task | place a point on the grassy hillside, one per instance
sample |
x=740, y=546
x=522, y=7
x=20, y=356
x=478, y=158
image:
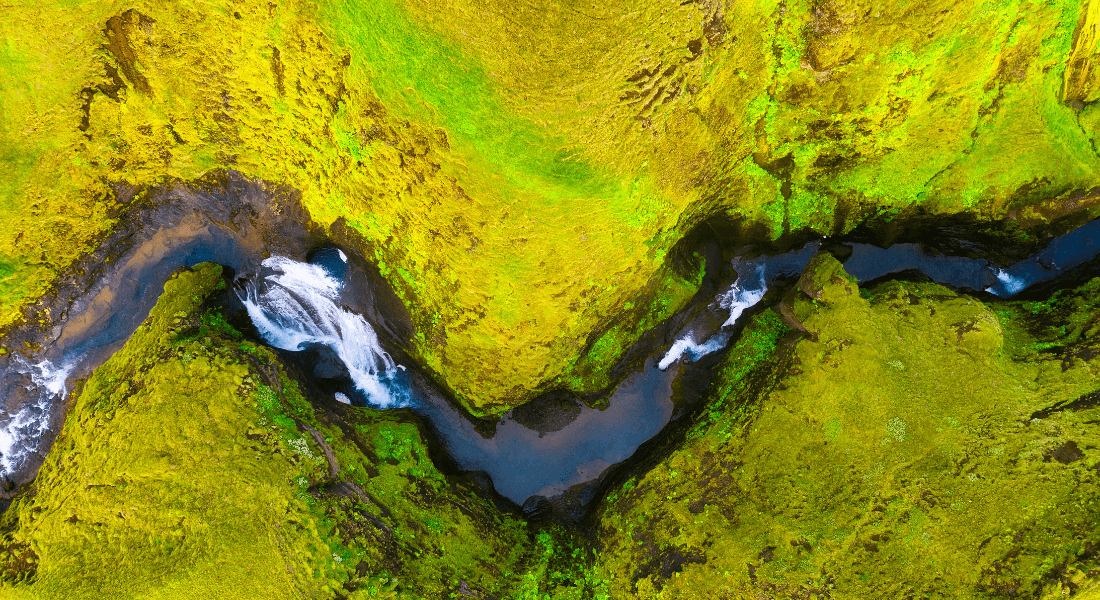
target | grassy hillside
x=190, y=466
x=911, y=441
x=520, y=173
x=914, y=443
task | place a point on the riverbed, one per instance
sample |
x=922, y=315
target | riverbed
x=304, y=293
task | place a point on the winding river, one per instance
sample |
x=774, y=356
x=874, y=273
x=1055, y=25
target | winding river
x=559, y=447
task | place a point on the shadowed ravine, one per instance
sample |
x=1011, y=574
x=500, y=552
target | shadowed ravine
x=550, y=447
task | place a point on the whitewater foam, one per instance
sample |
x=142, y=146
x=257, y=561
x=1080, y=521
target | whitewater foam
x=694, y=350
x=21, y=433
x=736, y=300
x=1008, y=285
x=296, y=305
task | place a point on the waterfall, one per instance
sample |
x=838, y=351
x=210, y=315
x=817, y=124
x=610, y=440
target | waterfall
x=737, y=299
x=21, y=432
x=295, y=304
x=1007, y=285
x=694, y=350
x=740, y=297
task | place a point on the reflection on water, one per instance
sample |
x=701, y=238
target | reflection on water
x=868, y=262
x=298, y=306
x=523, y=462
x=295, y=305
x=871, y=262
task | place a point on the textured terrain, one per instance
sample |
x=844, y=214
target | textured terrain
x=522, y=173
x=897, y=441
x=191, y=467
x=914, y=443
x=538, y=182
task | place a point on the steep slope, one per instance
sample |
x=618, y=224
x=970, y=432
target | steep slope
x=901, y=439
x=912, y=442
x=191, y=467
x=522, y=172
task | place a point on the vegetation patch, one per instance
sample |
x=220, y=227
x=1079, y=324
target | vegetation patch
x=519, y=173
x=912, y=439
x=191, y=466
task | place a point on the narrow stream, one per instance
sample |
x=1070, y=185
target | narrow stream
x=300, y=306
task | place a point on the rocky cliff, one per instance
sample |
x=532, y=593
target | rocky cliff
x=522, y=174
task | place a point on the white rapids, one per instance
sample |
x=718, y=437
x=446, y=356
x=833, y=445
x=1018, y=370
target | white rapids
x=21, y=432
x=296, y=305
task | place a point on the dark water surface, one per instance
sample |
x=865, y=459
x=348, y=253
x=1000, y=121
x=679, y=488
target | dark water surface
x=543, y=449
x=228, y=224
x=524, y=462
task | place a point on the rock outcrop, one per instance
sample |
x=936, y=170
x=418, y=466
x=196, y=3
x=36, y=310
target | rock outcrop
x=523, y=173
x=912, y=442
x=190, y=466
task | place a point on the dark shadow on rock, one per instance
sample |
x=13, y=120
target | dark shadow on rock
x=549, y=412
x=95, y=305
x=367, y=292
x=537, y=509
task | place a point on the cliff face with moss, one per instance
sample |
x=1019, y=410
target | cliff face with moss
x=914, y=442
x=190, y=466
x=530, y=179
x=521, y=173
x=900, y=440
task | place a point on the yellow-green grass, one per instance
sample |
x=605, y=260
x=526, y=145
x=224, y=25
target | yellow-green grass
x=895, y=451
x=911, y=438
x=188, y=468
x=519, y=172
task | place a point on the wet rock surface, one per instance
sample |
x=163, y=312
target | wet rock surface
x=536, y=214
x=191, y=457
x=898, y=433
x=96, y=306
x=895, y=117
x=549, y=412
x=893, y=448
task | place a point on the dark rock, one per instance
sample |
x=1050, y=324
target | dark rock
x=1066, y=453
x=668, y=562
x=326, y=363
x=331, y=259
x=571, y=506
x=537, y=508
x=841, y=252
x=549, y=412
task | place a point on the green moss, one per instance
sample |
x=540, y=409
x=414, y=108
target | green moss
x=520, y=172
x=893, y=449
x=907, y=431
x=753, y=353
x=153, y=488
x=190, y=467
x=1062, y=325
x=589, y=372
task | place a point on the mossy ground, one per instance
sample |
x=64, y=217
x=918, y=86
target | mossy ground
x=190, y=467
x=920, y=444
x=912, y=441
x=520, y=172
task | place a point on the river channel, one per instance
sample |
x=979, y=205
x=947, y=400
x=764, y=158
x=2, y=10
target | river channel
x=304, y=293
